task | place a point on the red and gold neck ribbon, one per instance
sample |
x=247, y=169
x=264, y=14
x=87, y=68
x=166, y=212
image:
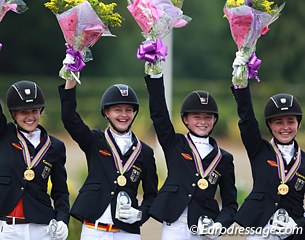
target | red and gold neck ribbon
x=281, y=166
x=198, y=161
x=31, y=163
x=116, y=156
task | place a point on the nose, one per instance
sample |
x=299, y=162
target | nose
x=124, y=113
x=202, y=120
x=286, y=125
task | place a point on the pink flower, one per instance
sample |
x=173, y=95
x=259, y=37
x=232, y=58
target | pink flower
x=145, y=13
x=81, y=26
x=265, y=30
x=247, y=24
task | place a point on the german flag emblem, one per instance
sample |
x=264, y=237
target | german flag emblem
x=187, y=156
x=272, y=163
x=17, y=146
x=105, y=153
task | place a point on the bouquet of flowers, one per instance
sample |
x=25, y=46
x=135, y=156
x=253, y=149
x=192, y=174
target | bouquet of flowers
x=249, y=19
x=156, y=19
x=82, y=23
x=17, y=6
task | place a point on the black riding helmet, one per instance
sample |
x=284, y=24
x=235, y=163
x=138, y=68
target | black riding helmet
x=282, y=104
x=24, y=95
x=199, y=101
x=119, y=94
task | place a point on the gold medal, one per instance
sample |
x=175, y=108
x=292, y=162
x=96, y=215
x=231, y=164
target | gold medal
x=29, y=174
x=121, y=180
x=283, y=189
x=202, y=183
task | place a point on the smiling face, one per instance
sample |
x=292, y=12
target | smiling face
x=284, y=128
x=200, y=123
x=27, y=119
x=121, y=116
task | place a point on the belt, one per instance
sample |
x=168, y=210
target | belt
x=102, y=226
x=13, y=220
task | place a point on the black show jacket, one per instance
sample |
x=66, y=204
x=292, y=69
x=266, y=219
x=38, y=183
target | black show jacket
x=37, y=203
x=264, y=199
x=100, y=187
x=180, y=189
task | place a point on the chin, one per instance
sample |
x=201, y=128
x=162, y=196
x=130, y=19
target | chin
x=285, y=140
x=29, y=128
x=122, y=129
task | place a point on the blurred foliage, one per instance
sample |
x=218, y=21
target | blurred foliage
x=91, y=90
x=204, y=49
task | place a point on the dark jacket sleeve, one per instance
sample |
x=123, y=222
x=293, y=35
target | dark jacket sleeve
x=149, y=185
x=228, y=193
x=2, y=120
x=159, y=113
x=248, y=124
x=300, y=234
x=72, y=121
x=59, y=191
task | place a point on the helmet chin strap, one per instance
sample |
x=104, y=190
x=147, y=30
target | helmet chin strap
x=279, y=142
x=120, y=131
x=205, y=136
x=275, y=139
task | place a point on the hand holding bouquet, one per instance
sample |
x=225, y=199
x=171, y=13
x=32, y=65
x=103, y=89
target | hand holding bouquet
x=17, y=6
x=156, y=19
x=82, y=23
x=248, y=19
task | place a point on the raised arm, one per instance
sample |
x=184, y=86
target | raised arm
x=72, y=121
x=159, y=112
x=248, y=125
x=2, y=120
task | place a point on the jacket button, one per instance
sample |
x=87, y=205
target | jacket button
x=115, y=182
x=190, y=195
x=276, y=204
x=193, y=185
x=197, y=174
x=112, y=193
x=22, y=188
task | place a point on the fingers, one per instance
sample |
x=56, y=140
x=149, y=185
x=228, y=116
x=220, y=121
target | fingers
x=69, y=59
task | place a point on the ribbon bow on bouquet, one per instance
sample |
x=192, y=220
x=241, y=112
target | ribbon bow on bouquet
x=152, y=52
x=156, y=19
x=17, y=6
x=248, y=20
x=82, y=23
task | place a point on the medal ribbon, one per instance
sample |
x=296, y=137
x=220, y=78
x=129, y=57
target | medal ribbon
x=198, y=161
x=117, y=160
x=26, y=153
x=280, y=163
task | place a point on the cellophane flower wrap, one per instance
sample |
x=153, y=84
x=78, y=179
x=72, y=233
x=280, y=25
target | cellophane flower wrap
x=17, y=6
x=248, y=20
x=156, y=19
x=82, y=27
